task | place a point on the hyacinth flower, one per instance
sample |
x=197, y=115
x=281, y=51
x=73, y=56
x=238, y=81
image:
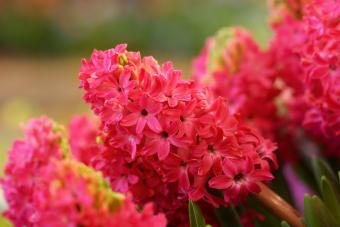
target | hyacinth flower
x=137, y=178
x=26, y=160
x=171, y=145
x=285, y=78
x=321, y=63
x=216, y=150
x=307, y=46
x=300, y=42
x=85, y=146
x=45, y=186
x=73, y=193
x=236, y=68
x=304, y=44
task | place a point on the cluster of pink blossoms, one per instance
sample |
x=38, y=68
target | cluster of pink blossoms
x=284, y=52
x=306, y=44
x=45, y=186
x=314, y=39
x=321, y=63
x=295, y=79
x=74, y=194
x=234, y=67
x=170, y=138
x=27, y=158
x=161, y=140
x=138, y=178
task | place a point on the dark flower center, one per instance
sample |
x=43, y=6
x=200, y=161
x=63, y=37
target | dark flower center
x=144, y=112
x=78, y=207
x=211, y=148
x=197, y=139
x=257, y=166
x=332, y=67
x=239, y=177
x=182, y=118
x=165, y=134
x=260, y=151
x=119, y=89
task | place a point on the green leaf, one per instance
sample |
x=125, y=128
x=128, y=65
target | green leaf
x=228, y=216
x=321, y=168
x=317, y=214
x=195, y=215
x=284, y=224
x=330, y=197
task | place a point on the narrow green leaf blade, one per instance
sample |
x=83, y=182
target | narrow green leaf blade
x=195, y=215
x=317, y=214
x=321, y=168
x=330, y=197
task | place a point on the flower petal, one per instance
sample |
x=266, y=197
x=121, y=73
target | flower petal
x=153, y=124
x=130, y=119
x=140, y=125
x=163, y=149
x=220, y=182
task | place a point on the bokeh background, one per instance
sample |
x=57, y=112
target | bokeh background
x=43, y=41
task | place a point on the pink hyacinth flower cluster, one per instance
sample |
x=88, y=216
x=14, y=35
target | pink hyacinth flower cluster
x=160, y=140
x=160, y=130
x=69, y=187
x=82, y=133
x=295, y=79
x=138, y=178
x=284, y=53
x=233, y=66
x=321, y=63
x=26, y=160
x=44, y=186
x=236, y=68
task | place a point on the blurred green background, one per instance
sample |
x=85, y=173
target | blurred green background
x=43, y=41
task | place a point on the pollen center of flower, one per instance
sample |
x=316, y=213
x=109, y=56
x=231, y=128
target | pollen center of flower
x=144, y=112
x=165, y=134
x=239, y=177
x=211, y=148
x=123, y=60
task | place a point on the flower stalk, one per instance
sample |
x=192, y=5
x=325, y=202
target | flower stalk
x=278, y=206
